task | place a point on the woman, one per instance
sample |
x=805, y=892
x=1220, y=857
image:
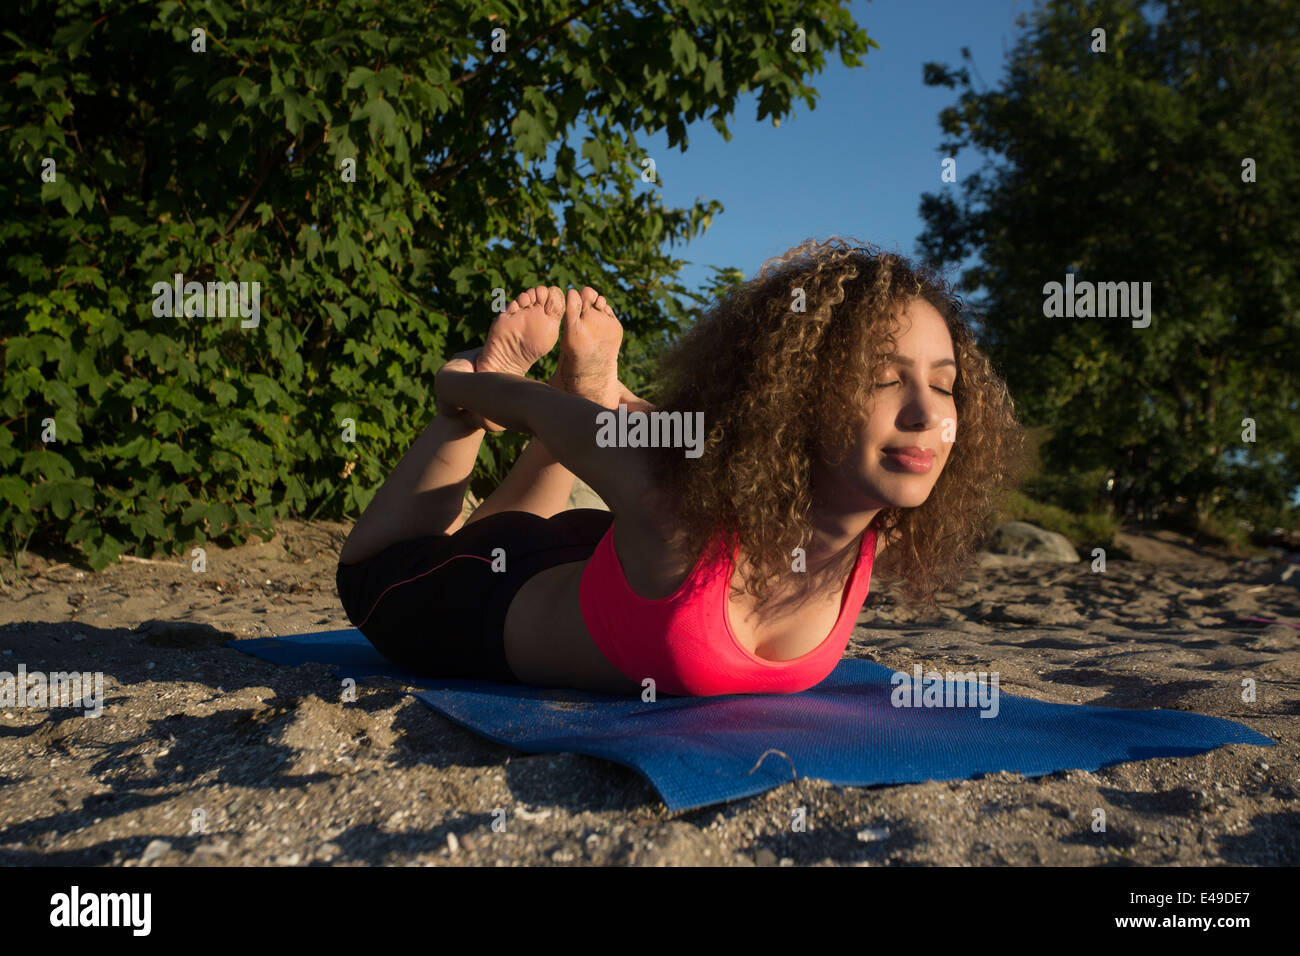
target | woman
x=832, y=387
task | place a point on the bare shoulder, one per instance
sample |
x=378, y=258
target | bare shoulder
x=648, y=545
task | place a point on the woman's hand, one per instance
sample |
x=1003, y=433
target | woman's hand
x=462, y=363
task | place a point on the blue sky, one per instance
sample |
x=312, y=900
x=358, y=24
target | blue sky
x=858, y=164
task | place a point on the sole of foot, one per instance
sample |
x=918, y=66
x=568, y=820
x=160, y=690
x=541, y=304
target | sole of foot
x=523, y=333
x=589, y=348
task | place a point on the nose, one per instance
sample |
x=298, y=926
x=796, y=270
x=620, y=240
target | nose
x=924, y=409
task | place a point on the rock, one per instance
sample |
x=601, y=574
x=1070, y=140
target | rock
x=1283, y=573
x=765, y=857
x=872, y=834
x=1024, y=540
x=584, y=497
x=216, y=848
x=156, y=850
x=987, y=559
x=679, y=844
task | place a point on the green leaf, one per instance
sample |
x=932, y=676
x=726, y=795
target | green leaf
x=683, y=50
x=595, y=151
x=529, y=135
x=74, y=37
x=381, y=115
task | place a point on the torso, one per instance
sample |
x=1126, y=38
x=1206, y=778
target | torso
x=546, y=638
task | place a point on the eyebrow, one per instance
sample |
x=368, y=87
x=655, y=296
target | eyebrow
x=910, y=362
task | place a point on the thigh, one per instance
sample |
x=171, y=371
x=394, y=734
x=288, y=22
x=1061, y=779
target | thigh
x=428, y=603
x=436, y=606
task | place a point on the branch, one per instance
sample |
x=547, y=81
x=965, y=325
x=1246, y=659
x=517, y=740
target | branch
x=95, y=179
x=267, y=166
x=436, y=180
x=493, y=63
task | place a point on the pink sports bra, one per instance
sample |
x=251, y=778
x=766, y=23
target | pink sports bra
x=685, y=641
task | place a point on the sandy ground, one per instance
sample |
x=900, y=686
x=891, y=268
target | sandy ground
x=207, y=756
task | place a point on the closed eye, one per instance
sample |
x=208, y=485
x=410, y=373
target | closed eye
x=896, y=382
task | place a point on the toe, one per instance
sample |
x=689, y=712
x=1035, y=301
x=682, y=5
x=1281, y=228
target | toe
x=555, y=301
x=572, y=305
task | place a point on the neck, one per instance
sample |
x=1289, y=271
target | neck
x=838, y=517
x=835, y=530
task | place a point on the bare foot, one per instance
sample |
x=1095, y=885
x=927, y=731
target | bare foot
x=523, y=333
x=634, y=403
x=589, y=349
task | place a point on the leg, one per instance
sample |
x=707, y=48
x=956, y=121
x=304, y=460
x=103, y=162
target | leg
x=588, y=367
x=425, y=493
x=537, y=483
x=436, y=606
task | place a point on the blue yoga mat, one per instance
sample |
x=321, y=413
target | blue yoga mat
x=697, y=751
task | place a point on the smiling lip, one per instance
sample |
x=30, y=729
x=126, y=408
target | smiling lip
x=913, y=458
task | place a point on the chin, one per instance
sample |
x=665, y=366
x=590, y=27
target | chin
x=896, y=497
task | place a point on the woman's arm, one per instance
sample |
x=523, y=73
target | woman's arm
x=566, y=424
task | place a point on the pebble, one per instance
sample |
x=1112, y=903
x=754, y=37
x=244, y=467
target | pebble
x=453, y=845
x=871, y=834
x=765, y=857
x=218, y=848
x=155, y=850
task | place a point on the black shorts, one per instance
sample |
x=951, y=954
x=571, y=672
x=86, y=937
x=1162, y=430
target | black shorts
x=435, y=607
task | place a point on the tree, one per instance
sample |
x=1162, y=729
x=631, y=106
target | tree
x=1132, y=165
x=377, y=168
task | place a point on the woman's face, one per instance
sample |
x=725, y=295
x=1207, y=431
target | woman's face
x=900, y=452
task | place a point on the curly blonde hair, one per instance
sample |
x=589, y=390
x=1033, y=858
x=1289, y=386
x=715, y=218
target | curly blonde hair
x=774, y=383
